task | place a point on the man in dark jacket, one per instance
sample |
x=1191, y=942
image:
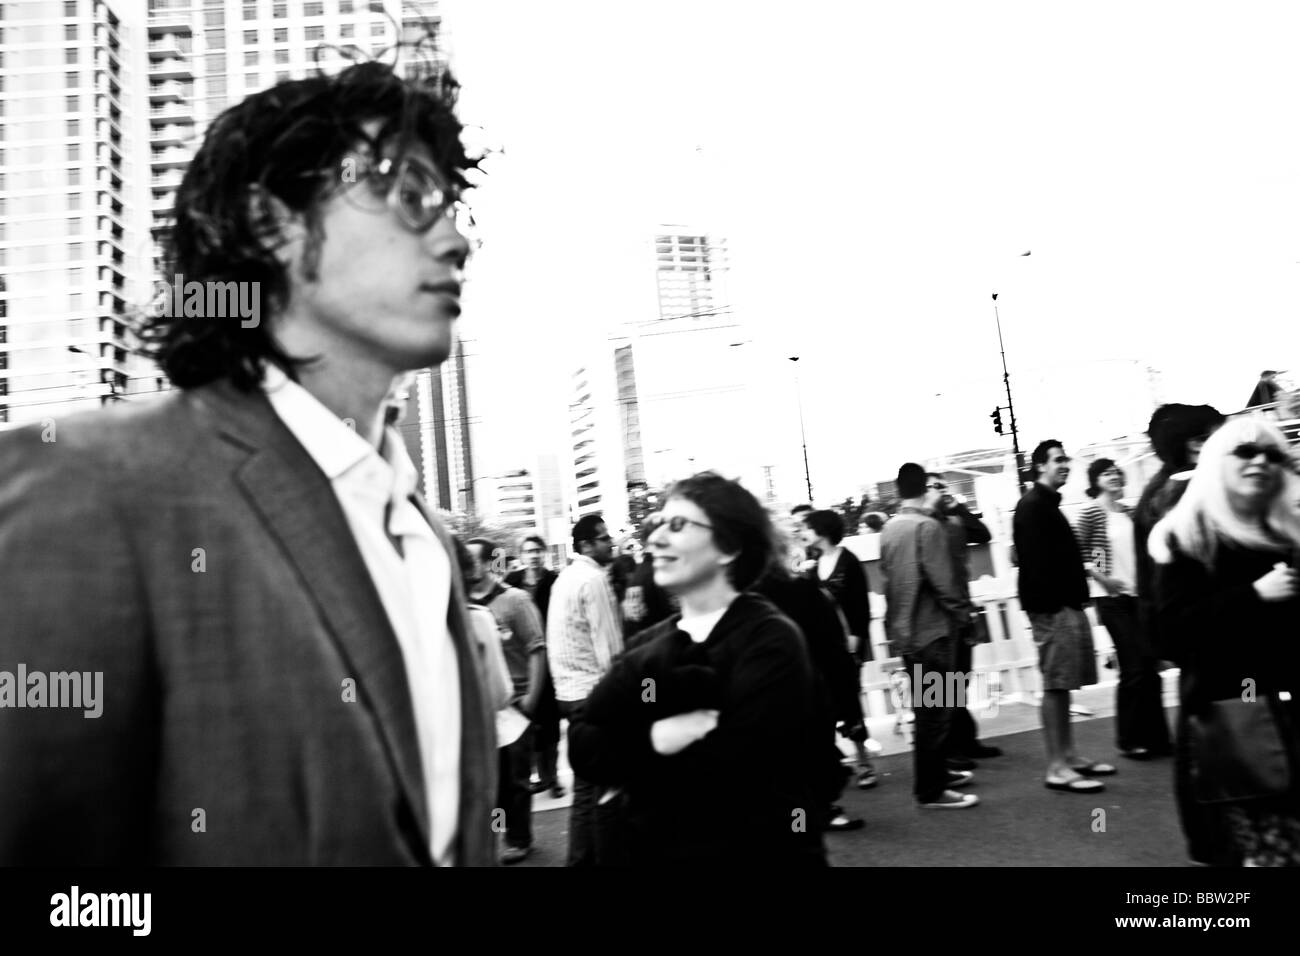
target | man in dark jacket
x=289, y=671
x=1053, y=593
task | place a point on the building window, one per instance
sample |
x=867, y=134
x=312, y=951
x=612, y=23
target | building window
x=250, y=58
x=250, y=37
x=74, y=176
x=69, y=8
x=73, y=103
x=313, y=9
x=70, y=55
x=376, y=6
x=74, y=153
x=250, y=11
x=376, y=29
x=74, y=127
x=281, y=34
x=216, y=86
x=314, y=33
x=214, y=18
x=279, y=10
x=348, y=30
x=250, y=79
x=281, y=76
x=345, y=6
x=281, y=56
x=70, y=33
x=72, y=80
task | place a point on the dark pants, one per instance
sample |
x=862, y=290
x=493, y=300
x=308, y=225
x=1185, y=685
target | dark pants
x=933, y=718
x=962, y=732
x=546, y=734
x=584, y=821
x=513, y=793
x=1139, y=712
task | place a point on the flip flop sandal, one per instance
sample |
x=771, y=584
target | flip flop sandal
x=1077, y=785
x=1095, y=769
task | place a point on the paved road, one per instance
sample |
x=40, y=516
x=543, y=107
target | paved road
x=1018, y=823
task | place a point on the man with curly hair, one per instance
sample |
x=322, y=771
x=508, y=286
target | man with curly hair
x=286, y=669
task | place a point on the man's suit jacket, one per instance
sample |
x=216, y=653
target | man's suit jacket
x=256, y=707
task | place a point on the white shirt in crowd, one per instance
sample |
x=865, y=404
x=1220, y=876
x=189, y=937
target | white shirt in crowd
x=584, y=632
x=375, y=492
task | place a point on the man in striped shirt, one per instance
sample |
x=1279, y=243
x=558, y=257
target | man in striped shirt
x=584, y=633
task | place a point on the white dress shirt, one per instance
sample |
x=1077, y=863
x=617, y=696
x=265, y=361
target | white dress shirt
x=584, y=632
x=415, y=586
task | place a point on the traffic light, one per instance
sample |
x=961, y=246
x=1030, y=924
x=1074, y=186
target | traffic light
x=997, y=420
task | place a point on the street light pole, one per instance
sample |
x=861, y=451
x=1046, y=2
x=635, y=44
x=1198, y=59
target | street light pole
x=803, y=435
x=1011, y=410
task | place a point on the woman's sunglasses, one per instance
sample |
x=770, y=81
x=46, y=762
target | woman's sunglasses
x=1272, y=454
x=675, y=524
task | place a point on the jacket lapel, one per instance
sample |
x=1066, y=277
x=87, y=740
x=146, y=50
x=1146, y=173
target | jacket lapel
x=298, y=505
x=476, y=842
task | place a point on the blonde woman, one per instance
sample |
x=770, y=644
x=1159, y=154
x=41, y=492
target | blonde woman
x=1228, y=612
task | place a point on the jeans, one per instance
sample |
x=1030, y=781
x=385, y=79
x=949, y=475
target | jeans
x=546, y=734
x=1139, y=711
x=514, y=795
x=962, y=732
x=933, y=718
x=582, y=815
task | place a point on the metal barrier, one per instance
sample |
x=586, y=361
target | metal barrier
x=1007, y=665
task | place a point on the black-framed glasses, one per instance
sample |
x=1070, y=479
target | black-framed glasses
x=676, y=524
x=1272, y=454
x=936, y=486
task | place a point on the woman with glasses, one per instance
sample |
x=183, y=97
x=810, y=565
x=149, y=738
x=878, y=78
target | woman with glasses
x=682, y=721
x=1105, y=533
x=1227, y=611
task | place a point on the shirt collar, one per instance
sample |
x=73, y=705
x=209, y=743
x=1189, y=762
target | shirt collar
x=335, y=447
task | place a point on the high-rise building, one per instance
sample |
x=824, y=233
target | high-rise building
x=683, y=376
x=689, y=269
x=598, y=484
x=437, y=435
x=74, y=214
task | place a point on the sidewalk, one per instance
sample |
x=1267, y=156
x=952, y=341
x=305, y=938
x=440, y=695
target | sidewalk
x=1018, y=823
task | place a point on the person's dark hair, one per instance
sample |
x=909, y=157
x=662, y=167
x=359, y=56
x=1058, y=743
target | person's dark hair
x=874, y=522
x=911, y=480
x=533, y=539
x=825, y=524
x=741, y=525
x=1173, y=426
x=487, y=548
x=1095, y=471
x=1041, y=452
x=585, y=530
x=801, y=509
x=286, y=142
x=463, y=558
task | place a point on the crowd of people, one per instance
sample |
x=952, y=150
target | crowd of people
x=301, y=666
x=672, y=711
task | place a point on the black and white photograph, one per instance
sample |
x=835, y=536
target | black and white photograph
x=670, y=436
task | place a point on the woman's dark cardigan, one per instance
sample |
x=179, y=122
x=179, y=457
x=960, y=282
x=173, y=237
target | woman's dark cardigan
x=742, y=793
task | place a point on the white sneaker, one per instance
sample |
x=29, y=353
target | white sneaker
x=951, y=800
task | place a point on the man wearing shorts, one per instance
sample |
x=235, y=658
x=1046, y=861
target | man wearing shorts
x=1053, y=593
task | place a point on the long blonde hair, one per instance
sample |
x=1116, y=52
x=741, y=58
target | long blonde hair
x=1204, y=518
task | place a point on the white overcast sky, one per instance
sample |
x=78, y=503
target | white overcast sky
x=877, y=169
